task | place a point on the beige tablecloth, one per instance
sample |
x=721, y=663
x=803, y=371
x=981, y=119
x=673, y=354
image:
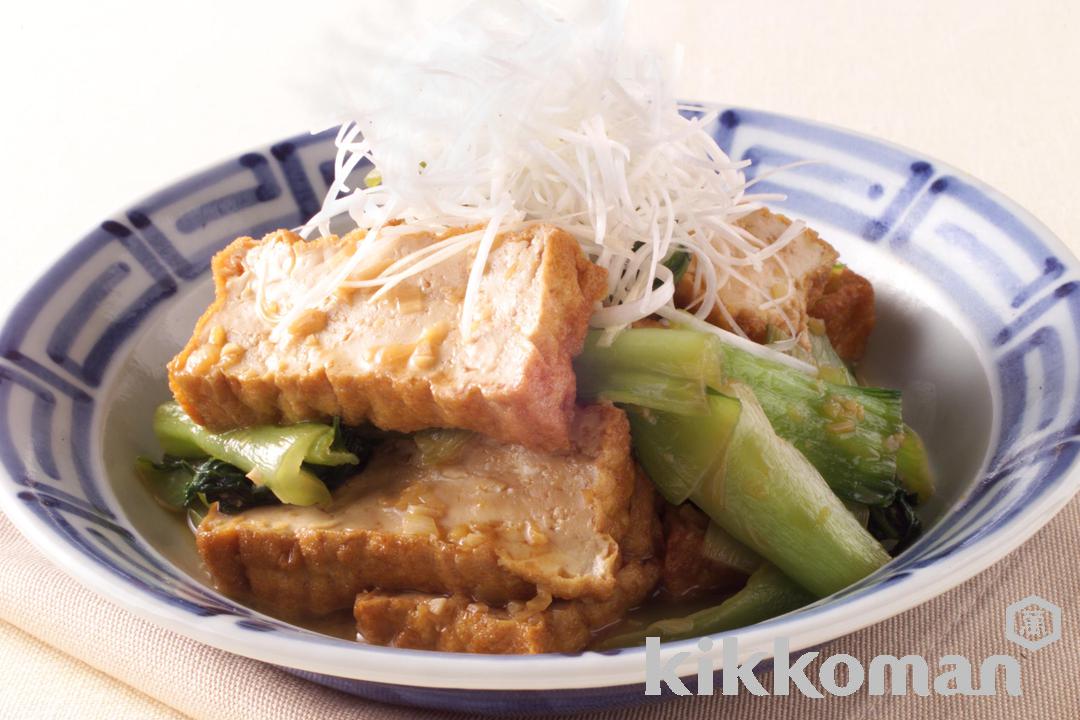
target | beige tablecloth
x=203, y=682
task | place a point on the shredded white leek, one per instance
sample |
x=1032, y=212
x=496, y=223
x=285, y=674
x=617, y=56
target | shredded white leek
x=510, y=115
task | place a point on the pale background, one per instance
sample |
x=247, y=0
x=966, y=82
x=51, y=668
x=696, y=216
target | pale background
x=106, y=101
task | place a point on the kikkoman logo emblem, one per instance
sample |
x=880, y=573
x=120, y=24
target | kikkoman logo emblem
x=1032, y=623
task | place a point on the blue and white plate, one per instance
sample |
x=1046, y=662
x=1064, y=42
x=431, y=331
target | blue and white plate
x=979, y=325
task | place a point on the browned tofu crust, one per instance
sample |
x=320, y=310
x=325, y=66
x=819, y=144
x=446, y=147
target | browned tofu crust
x=313, y=573
x=846, y=305
x=308, y=561
x=458, y=624
x=686, y=571
x=809, y=260
x=400, y=362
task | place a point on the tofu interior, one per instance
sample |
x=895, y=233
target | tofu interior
x=533, y=508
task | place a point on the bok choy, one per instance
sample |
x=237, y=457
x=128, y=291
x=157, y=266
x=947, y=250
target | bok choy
x=244, y=467
x=757, y=487
x=851, y=434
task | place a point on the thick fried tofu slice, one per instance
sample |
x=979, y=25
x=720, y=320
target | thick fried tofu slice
x=809, y=260
x=495, y=523
x=401, y=362
x=459, y=624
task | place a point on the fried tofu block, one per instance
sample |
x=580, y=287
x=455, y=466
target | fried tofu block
x=458, y=624
x=846, y=305
x=809, y=260
x=399, y=362
x=495, y=523
x=685, y=570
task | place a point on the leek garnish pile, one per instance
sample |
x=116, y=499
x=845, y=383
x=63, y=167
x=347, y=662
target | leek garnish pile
x=508, y=115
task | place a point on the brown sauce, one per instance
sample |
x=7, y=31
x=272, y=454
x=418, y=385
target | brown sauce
x=659, y=606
